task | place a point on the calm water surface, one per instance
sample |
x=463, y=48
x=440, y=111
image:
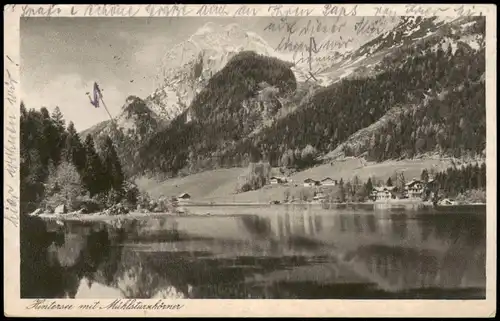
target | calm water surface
x=283, y=253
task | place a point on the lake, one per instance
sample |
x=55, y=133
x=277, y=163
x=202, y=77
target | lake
x=282, y=252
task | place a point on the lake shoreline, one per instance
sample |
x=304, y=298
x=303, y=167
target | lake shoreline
x=205, y=210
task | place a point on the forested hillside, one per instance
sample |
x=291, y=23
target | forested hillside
x=237, y=100
x=439, y=86
x=445, y=111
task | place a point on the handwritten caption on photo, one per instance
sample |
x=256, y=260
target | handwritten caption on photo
x=117, y=304
x=276, y=10
x=11, y=166
x=304, y=38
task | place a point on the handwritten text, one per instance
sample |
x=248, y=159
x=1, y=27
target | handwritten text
x=287, y=44
x=10, y=148
x=118, y=304
x=420, y=10
x=246, y=11
x=369, y=27
x=110, y=10
x=11, y=212
x=279, y=11
x=213, y=10
x=331, y=10
x=11, y=166
x=167, y=11
x=10, y=84
x=385, y=11
x=463, y=12
x=29, y=11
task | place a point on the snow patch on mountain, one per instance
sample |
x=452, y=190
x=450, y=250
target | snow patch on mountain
x=444, y=19
x=406, y=31
x=476, y=42
x=467, y=25
x=206, y=29
x=188, y=66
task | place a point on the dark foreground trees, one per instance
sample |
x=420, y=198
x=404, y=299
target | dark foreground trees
x=57, y=168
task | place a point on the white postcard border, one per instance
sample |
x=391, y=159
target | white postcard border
x=14, y=306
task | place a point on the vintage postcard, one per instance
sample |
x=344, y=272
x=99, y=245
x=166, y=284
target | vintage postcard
x=250, y=160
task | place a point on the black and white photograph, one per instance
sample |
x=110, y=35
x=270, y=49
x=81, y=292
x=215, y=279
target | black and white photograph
x=264, y=157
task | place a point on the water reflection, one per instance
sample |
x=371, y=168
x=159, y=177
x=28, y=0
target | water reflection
x=298, y=252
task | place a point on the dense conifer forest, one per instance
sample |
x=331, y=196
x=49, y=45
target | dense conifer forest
x=58, y=167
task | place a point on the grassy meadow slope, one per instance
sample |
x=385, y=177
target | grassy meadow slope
x=218, y=182
x=220, y=185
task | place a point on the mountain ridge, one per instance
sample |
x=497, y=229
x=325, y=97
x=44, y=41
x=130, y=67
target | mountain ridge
x=253, y=118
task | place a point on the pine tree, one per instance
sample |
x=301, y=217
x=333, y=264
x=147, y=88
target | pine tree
x=73, y=149
x=401, y=182
x=58, y=118
x=58, y=134
x=347, y=187
x=341, y=193
x=389, y=182
x=93, y=171
x=355, y=184
x=424, y=177
x=111, y=166
x=369, y=185
x=47, y=138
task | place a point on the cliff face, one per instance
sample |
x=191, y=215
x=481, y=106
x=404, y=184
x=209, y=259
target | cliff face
x=239, y=100
x=130, y=129
x=188, y=66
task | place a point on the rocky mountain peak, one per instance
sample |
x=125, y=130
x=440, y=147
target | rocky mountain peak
x=186, y=68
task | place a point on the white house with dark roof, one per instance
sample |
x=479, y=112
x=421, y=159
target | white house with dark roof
x=277, y=180
x=414, y=188
x=328, y=181
x=184, y=197
x=309, y=182
x=319, y=196
x=383, y=193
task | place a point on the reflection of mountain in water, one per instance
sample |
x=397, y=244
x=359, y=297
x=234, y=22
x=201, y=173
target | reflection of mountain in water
x=297, y=253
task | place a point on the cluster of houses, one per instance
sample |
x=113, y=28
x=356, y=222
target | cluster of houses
x=327, y=181
x=412, y=190
x=308, y=182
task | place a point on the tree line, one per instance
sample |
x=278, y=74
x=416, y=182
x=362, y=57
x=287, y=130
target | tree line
x=467, y=183
x=57, y=167
x=455, y=181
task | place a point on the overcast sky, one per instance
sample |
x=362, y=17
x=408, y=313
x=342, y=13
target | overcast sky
x=62, y=57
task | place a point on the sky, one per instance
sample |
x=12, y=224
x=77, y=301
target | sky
x=62, y=57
